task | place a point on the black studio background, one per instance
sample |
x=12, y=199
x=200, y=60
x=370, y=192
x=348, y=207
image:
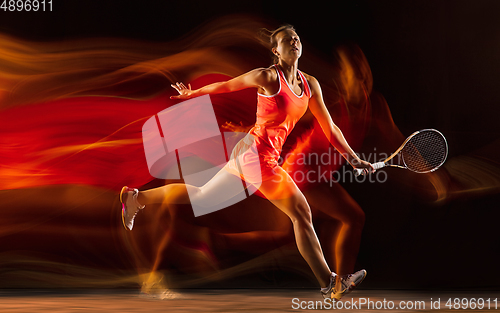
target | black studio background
x=437, y=63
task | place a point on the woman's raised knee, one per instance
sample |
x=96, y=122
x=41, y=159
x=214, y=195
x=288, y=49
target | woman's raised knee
x=301, y=213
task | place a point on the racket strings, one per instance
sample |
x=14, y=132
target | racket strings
x=425, y=152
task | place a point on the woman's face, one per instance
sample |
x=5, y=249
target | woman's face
x=288, y=45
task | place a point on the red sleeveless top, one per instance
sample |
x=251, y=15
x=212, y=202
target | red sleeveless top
x=255, y=157
x=277, y=116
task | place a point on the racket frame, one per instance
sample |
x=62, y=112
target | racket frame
x=385, y=164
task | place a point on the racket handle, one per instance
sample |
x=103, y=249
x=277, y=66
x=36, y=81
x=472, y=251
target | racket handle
x=376, y=166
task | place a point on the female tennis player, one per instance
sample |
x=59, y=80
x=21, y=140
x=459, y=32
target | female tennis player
x=284, y=94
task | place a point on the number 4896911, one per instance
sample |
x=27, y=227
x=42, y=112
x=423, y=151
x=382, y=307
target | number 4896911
x=26, y=5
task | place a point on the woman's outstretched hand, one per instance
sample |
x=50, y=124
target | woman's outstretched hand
x=184, y=92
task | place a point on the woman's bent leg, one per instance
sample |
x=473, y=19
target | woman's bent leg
x=284, y=193
x=336, y=203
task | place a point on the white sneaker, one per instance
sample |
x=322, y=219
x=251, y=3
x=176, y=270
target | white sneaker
x=130, y=206
x=348, y=283
x=328, y=293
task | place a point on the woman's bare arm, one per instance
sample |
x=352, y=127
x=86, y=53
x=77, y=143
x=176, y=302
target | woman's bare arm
x=257, y=78
x=332, y=131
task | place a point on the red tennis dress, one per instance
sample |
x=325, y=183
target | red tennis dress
x=256, y=156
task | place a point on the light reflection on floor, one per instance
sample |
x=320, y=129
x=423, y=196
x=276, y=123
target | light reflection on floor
x=240, y=300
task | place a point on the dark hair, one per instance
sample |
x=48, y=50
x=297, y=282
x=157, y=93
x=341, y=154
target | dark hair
x=271, y=42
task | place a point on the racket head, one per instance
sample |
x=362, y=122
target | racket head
x=424, y=151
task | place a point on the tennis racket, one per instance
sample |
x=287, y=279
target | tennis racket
x=423, y=151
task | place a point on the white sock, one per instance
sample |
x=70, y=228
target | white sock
x=136, y=196
x=332, y=280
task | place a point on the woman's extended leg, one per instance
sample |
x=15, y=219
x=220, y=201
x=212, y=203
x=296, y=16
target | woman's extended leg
x=284, y=193
x=217, y=189
x=222, y=187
